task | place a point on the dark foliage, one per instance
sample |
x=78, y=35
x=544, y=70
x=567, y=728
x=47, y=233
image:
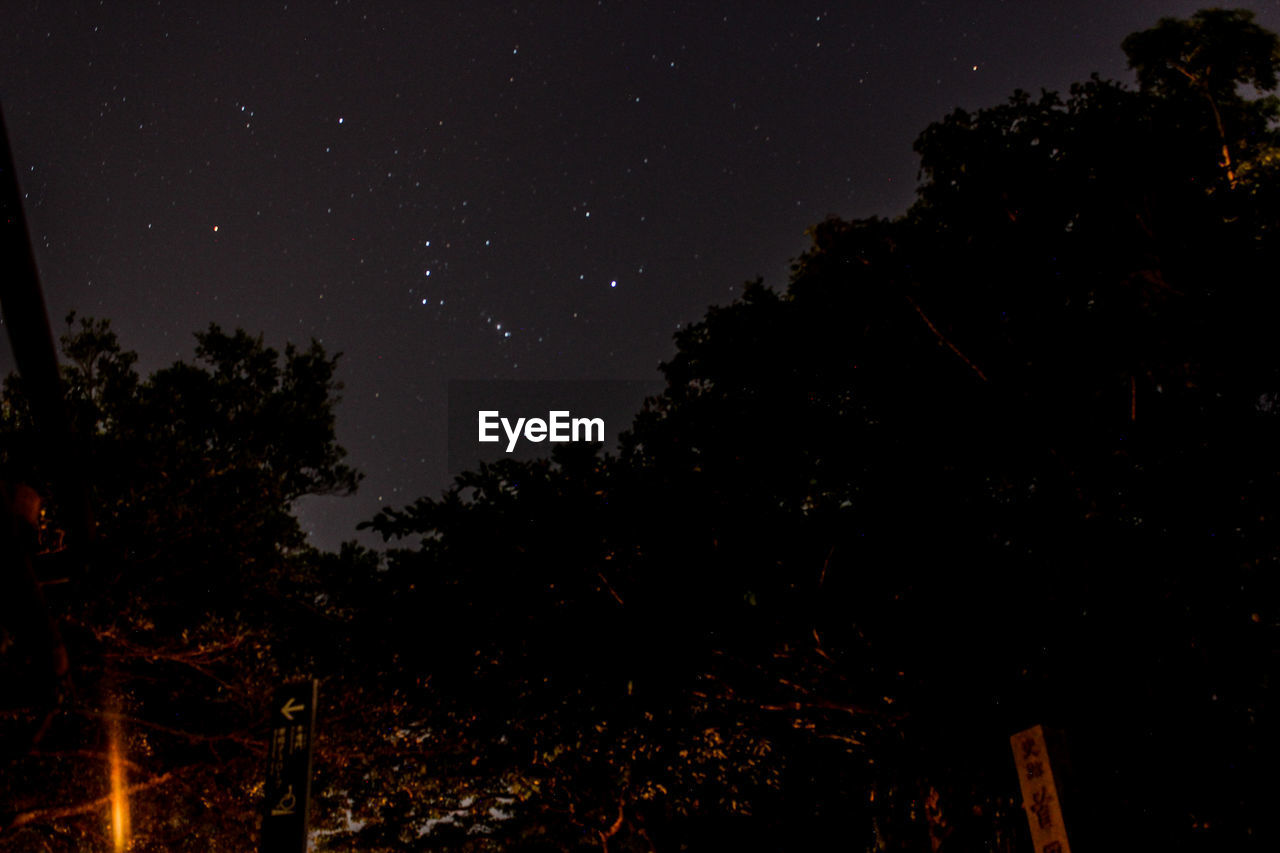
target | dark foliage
x=1008, y=459
x=177, y=626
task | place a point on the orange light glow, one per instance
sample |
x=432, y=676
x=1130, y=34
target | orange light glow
x=119, y=795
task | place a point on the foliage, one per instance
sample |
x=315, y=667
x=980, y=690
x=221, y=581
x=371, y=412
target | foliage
x=599, y=707
x=176, y=628
x=989, y=464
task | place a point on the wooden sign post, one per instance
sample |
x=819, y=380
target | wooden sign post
x=1039, y=792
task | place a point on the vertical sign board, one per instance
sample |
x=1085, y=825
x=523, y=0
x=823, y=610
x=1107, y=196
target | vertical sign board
x=1039, y=792
x=288, y=788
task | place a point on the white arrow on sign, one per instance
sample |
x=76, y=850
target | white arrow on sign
x=290, y=709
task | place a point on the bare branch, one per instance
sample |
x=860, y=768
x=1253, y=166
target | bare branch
x=241, y=737
x=610, y=588
x=90, y=754
x=56, y=812
x=943, y=339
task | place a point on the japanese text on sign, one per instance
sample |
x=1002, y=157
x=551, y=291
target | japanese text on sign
x=1039, y=791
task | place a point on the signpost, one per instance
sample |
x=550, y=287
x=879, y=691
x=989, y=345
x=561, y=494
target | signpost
x=288, y=789
x=1039, y=791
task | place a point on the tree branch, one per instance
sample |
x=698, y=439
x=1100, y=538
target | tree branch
x=943, y=339
x=83, y=753
x=56, y=812
x=613, y=592
x=241, y=737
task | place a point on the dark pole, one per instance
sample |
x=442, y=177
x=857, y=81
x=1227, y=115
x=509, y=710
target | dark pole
x=27, y=323
x=52, y=449
x=22, y=301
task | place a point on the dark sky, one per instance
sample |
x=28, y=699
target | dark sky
x=481, y=190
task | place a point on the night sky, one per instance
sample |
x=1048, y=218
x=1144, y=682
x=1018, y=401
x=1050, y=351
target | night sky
x=481, y=190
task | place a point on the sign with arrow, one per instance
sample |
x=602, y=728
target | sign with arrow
x=288, y=788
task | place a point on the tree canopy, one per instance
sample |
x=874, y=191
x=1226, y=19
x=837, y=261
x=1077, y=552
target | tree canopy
x=999, y=461
x=175, y=629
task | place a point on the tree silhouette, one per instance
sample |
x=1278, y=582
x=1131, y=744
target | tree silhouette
x=992, y=463
x=1206, y=59
x=195, y=594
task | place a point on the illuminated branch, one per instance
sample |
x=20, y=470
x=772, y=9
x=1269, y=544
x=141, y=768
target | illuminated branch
x=197, y=659
x=1203, y=87
x=842, y=738
x=608, y=586
x=241, y=737
x=23, y=818
x=943, y=339
x=818, y=705
x=84, y=753
x=605, y=835
x=822, y=576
